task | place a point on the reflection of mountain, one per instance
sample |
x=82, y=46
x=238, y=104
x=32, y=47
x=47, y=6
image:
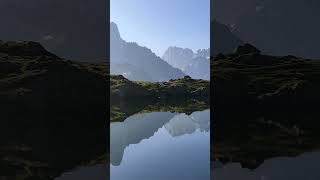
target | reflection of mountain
x=96, y=172
x=196, y=65
x=133, y=130
x=128, y=58
x=143, y=126
x=303, y=167
x=183, y=124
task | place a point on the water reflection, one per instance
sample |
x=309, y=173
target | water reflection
x=97, y=172
x=183, y=124
x=161, y=146
x=133, y=130
x=305, y=166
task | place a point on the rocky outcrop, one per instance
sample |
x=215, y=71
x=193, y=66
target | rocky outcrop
x=185, y=88
x=262, y=79
x=24, y=48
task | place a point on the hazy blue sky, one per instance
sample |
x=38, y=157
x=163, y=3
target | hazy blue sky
x=158, y=24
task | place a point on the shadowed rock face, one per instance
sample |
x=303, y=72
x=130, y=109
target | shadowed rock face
x=273, y=102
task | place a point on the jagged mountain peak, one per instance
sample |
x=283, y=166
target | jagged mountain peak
x=194, y=64
x=114, y=31
x=175, y=48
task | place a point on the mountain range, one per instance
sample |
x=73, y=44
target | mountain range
x=136, y=62
x=197, y=64
x=141, y=64
x=79, y=30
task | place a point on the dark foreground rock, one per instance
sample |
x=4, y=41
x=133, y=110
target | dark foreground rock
x=53, y=112
x=263, y=106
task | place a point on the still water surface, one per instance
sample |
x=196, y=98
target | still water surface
x=175, y=146
x=161, y=146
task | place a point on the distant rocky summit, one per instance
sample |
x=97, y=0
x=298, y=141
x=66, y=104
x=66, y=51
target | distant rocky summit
x=194, y=64
x=178, y=57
